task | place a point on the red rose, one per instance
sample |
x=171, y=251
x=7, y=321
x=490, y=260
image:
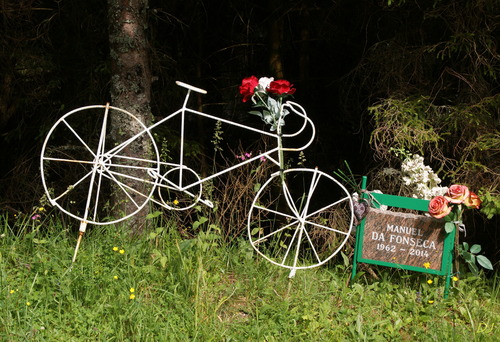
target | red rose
x=457, y=193
x=438, y=207
x=247, y=87
x=281, y=87
x=473, y=201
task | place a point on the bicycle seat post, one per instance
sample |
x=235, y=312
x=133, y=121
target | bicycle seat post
x=184, y=106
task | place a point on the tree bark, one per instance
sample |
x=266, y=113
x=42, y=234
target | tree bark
x=130, y=83
x=275, y=39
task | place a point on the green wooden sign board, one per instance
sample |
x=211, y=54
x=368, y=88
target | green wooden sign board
x=406, y=241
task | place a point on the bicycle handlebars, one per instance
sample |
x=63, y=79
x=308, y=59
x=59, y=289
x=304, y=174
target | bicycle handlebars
x=300, y=111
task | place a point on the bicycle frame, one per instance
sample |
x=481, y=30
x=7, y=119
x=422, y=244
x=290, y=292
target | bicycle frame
x=179, y=186
x=148, y=177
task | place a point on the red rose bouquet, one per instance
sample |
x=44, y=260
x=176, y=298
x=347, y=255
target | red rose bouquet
x=267, y=95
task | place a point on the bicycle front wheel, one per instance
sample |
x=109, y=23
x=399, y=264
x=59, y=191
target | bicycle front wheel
x=300, y=218
x=83, y=161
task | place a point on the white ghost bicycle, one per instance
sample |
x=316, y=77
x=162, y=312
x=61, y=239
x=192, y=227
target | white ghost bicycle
x=300, y=217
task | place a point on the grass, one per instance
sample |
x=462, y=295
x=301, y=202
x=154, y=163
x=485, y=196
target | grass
x=202, y=289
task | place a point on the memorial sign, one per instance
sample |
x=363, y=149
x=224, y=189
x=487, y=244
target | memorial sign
x=403, y=239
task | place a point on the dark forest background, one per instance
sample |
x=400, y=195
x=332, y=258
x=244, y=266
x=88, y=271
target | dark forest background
x=413, y=75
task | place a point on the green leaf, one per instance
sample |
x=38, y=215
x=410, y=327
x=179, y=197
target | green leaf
x=475, y=249
x=214, y=227
x=473, y=267
x=468, y=257
x=255, y=231
x=256, y=187
x=163, y=261
x=449, y=227
x=466, y=246
x=153, y=215
x=484, y=262
x=200, y=221
x=347, y=262
x=283, y=245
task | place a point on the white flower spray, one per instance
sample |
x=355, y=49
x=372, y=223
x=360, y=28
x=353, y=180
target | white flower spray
x=421, y=178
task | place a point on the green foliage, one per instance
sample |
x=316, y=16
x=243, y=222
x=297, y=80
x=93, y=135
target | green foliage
x=471, y=256
x=217, y=137
x=462, y=140
x=490, y=205
x=203, y=289
x=348, y=179
x=402, y=125
x=439, y=93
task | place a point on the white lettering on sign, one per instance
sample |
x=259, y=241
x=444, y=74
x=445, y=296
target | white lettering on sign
x=378, y=236
x=404, y=230
x=411, y=241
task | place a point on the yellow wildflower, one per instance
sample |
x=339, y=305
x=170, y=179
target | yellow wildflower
x=115, y=248
x=429, y=281
x=176, y=202
x=427, y=264
x=115, y=277
x=122, y=251
x=132, y=296
x=454, y=278
x=132, y=290
x=11, y=291
x=430, y=301
x=28, y=303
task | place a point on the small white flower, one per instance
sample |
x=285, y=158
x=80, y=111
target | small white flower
x=264, y=82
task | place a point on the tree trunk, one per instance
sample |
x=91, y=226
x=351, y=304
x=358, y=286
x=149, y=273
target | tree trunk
x=130, y=84
x=275, y=39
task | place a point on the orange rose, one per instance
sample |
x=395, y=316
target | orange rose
x=457, y=193
x=473, y=201
x=438, y=207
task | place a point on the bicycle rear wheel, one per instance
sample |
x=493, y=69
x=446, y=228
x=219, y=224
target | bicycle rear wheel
x=300, y=218
x=81, y=164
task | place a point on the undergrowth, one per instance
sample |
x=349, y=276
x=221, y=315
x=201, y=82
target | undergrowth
x=164, y=287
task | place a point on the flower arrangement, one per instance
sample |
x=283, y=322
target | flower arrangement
x=450, y=207
x=267, y=95
x=452, y=204
x=421, y=178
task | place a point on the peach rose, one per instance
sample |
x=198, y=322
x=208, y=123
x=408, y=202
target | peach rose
x=457, y=193
x=438, y=207
x=473, y=201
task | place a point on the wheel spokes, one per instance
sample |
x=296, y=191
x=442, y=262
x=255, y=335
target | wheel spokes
x=97, y=159
x=265, y=237
x=84, y=144
x=301, y=229
x=305, y=207
x=82, y=167
x=72, y=187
